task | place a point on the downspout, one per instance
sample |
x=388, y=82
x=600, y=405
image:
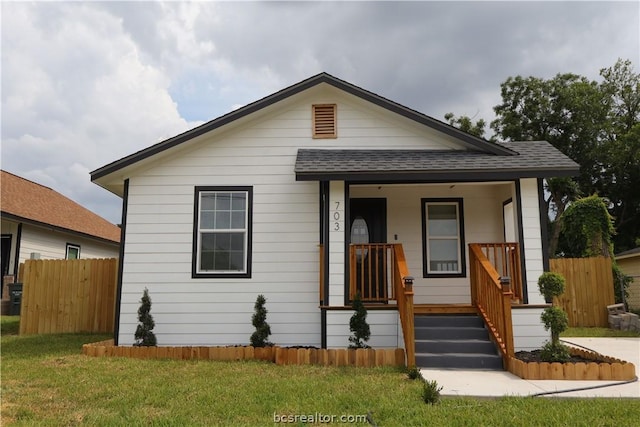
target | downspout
x=123, y=233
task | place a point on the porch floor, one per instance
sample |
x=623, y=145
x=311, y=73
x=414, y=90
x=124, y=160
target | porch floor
x=444, y=309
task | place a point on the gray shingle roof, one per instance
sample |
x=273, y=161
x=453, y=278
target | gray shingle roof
x=534, y=159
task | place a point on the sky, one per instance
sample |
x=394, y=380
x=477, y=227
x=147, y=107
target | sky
x=87, y=83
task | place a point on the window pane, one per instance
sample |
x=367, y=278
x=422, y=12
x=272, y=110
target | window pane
x=206, y=220
x=207, y=201
x=239, y=202
x=443, y=255
x=237, y=219
x=237, y=241
x=222, y=252
x=223, y=201
x=442, y=220
x=223, y=220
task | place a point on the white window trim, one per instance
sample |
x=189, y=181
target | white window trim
x=71, y=246
x=459, y=238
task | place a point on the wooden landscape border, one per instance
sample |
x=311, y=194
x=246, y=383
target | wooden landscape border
x=279, y=355
x=611, y=369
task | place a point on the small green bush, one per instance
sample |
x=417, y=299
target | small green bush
x=551, y=285
x=431, y=392
x=556, y=320
x=144, y=335
x=260, y=338
x=413, y=373
x=358, y=325
x=555, y=353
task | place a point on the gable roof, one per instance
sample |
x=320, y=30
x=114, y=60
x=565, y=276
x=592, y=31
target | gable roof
x=28, y=201
x=476, y=143
x=534, y=159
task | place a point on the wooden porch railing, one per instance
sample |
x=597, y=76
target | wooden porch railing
x=492, y=297
x=505, y=258
x=378, y=271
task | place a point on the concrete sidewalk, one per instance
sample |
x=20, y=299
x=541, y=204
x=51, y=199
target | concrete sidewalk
x=499, y=383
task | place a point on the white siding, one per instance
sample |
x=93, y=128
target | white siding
x=52, y=244
x=260, y=153
x=384, y=325
x=532, y=238
x=528, y=330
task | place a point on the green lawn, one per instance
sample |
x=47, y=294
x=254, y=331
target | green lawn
x=598, y=332
x=46, y=381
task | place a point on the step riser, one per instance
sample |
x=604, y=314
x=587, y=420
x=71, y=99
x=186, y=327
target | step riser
x=426, y=333
x=484, y=347
x=454, y=361
x=448, y=321
x=454, y=342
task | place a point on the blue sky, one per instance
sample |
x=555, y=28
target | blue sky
x=86, y=83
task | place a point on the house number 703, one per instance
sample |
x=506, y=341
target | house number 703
x=336, y=217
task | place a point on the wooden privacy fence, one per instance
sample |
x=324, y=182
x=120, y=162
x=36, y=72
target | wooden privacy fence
x=61, y=296
x=589, y=289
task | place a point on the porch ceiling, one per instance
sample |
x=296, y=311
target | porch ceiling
x=533, y=159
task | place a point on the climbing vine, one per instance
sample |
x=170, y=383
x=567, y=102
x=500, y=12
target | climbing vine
x=589, y=227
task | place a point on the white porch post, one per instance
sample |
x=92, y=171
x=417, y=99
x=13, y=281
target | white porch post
x=337, y=223
x=532, y=238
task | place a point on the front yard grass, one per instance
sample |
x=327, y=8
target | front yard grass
x=598, y=333
x=46, y=381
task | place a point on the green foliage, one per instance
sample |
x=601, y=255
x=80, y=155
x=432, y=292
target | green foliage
x=621, y=284
x=588, y=227
x=466, y=124
x=556, y=320
x=358, y=325
x=144, y=335
x=413, y=373
x=260, y=338
x=551, y=285
x=431, y=392
x=551, y=352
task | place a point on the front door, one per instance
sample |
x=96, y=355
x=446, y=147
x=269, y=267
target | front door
x=368, y=224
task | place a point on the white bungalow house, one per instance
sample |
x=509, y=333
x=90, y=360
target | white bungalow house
x=321, y=191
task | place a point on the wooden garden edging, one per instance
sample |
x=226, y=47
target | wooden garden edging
x=278, y=355
x=613, y=369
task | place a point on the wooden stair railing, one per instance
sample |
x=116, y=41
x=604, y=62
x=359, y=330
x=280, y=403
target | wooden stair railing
x=378, y=271
x=492, y=296
x=505, y=258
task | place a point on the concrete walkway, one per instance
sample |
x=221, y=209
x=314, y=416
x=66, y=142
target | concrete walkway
x=498, y=383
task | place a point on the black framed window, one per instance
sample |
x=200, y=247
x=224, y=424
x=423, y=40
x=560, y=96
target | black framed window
x=222, y=232
x=443, y=238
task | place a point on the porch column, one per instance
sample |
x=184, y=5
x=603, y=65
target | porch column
x=532, y=237
x=337, y=224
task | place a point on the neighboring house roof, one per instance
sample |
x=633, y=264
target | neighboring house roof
x=534, y=159
x=628, y=254
x=28, y=201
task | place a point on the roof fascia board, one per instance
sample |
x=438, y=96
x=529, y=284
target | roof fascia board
x=432, y=176
x=20, y=219
x=255, y=106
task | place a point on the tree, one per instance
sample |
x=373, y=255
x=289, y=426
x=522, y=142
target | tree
x=358, y=325
x=466, y=124
x=589, y=228
x=144, y=335
x=260, y=338
x=554, y=318
x=562, y=191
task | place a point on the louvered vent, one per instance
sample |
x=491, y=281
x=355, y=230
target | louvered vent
x=324, y=121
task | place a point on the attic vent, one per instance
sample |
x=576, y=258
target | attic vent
x=324, y=121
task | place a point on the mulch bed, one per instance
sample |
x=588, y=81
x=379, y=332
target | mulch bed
x=534, y=356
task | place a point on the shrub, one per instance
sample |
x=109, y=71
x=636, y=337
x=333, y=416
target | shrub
x=358, y=325
x=431, y=392
x=413, y=373
x=144, y=335
x=260, y=338
x=551, y=285
x=554, y=353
